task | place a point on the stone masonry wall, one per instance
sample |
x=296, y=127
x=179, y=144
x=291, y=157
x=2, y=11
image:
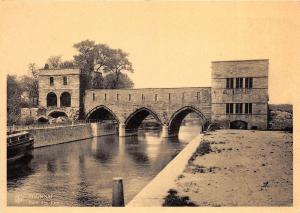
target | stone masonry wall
x=258, y=95
x=164, y=102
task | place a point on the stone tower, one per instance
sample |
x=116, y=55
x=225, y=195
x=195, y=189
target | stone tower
x=59, y=92
x=240, y=93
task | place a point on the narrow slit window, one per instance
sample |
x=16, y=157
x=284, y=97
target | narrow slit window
x=65, y=80
x=239, y=83
x=155, y=97
x=229, y=83
x=229, y=108
x=198, y=96
x=249, y=83
x=248, y=108
x=129, y=97
x=51, y=81
x=94, y=96
x=238, y=108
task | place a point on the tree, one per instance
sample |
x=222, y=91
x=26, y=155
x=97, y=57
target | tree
x=29, y=85
x=124, y=81
x=32, y=67
x=13, y=99
x=100, y=58
x=67, y=64
x=54, y=62
x=118, y=63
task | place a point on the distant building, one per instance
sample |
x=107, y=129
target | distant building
x=238, y=97
x=60, y=94
x=240, y=93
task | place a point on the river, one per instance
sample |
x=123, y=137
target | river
x=80, y=173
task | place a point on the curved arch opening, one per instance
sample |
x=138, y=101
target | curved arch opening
x=43, y=120
x=102, y=114
x=56, y=114
x=65, y=99
x=51, y=99
x=189, y=117
x=135, y=120
x=238, y=124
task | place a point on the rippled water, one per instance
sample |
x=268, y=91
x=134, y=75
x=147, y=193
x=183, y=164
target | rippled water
x=80, y=173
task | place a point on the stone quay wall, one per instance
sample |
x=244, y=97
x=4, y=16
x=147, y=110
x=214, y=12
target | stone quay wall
x=63, y=134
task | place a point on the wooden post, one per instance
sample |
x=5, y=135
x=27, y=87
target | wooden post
x=117, y=193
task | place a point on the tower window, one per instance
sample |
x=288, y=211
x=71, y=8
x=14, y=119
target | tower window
x=65, y=80
x=143, y=97
x=129, y=97
x=248, y=108
x=94, y=96
x=51, y=81
x=155, y=97
x=229, y=83
x=229, y=108
x=249, y=83
x=239, y=83
x=239, y=108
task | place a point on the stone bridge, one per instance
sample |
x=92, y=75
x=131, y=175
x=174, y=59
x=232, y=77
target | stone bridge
x=129, y=107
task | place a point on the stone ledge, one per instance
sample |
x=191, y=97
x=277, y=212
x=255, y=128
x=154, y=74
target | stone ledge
x=153, y=194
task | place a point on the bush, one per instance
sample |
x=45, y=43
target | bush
x=172, y=199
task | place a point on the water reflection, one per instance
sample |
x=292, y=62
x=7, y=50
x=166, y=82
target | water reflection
x=80, y=173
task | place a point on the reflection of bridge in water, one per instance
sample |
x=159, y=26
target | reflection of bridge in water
x=129, y=107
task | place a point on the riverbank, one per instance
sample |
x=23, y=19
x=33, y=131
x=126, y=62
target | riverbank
x=237, y=168
x=154, y=192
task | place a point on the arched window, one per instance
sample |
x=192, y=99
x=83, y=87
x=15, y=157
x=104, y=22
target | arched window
x=65, y=99
x=51, y=99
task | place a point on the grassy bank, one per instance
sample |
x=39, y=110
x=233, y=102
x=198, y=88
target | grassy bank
x=237, y=168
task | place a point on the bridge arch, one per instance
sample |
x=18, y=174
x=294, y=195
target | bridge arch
x=57, y=113
x=238, y=124
x=43, y=119
x=135, y=119
x=101, y=113
x=178, y=116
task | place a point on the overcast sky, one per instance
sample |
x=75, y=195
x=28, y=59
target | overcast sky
x=170, y=44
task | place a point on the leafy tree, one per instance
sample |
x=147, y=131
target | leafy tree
x=29, y=86
x=54, y=62
x=13, y=99
x=118, y=63
x=102, y=59
x=67, y=64
x=123, y=82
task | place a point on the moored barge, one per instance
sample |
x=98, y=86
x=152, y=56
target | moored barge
x=19, y=145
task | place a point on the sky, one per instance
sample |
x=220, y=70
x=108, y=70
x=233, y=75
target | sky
x=171, y=44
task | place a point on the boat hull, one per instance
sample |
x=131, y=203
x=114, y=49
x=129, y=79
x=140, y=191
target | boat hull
x=19, y=151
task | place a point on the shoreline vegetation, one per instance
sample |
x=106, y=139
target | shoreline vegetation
x=237, y=168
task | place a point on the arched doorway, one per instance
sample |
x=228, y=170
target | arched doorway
x=238, y=124
x=134, y=121
x=51, y=99
x=65, y=99
x=183, y=116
